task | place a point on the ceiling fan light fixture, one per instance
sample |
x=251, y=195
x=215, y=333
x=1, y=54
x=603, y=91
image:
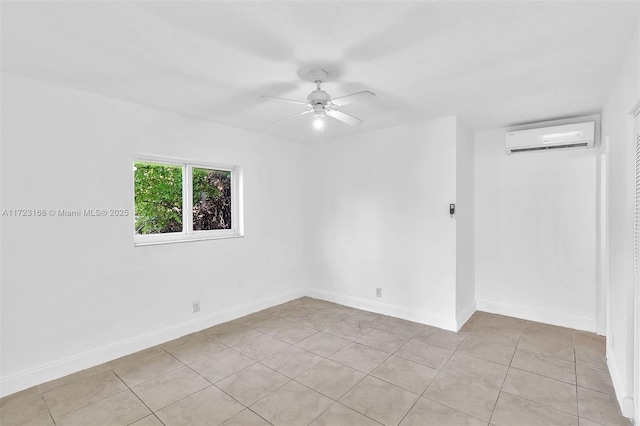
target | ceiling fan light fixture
x=319, y=111
x=318, y=123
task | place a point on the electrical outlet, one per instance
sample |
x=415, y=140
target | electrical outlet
x=378, y=291
x=196, y=306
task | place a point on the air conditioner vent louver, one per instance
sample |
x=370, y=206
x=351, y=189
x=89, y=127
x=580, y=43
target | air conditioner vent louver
x=544, y=148
x=566, y=136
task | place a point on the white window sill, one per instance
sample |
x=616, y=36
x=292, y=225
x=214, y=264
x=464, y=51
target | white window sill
x=183, y=239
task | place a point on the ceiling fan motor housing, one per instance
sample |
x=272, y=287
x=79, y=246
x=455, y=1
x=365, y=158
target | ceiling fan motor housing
x=318, y=97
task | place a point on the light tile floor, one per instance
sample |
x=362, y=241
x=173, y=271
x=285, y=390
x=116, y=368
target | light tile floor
x=311, y=362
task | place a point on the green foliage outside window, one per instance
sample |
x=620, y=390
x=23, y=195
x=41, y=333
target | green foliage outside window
x=211, y=199
x=158, y=198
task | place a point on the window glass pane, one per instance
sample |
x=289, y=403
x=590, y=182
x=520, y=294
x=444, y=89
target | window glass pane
x=211, y=199
x=158, y=198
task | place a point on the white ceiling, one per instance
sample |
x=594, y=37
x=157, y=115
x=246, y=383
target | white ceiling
x=493, y=63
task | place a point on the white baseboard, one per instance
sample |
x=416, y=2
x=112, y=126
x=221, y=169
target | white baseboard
x=464, y=316
x=415, y=315
x=624, y=400
x=60, y=368
x=579, y=323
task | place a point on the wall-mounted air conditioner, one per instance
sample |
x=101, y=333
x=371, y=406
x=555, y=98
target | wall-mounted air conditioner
x=577, y=135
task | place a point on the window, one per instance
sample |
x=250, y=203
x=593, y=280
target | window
x=178, y=200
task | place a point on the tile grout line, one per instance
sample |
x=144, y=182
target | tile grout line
x=48, y=409
x=366, y=374
x=148, y=415
x=225, y=392
x=293, y=379
x=83, y=406
x=109, y=369
x=442, y=403
x=245, y=407
x=575, y=369
x=493, y=411
x=549, y=378
x=181, y=399
x=464, y=378
x=136, y=395
x=440, y=371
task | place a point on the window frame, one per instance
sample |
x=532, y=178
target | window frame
x=188, y=234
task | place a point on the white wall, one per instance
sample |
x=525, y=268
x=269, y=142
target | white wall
x=616, y=125
x=465, y=224
x=380, y=209
x=536, y=233
x=75, y=291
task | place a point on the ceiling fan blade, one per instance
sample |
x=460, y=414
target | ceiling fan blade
x=294, y=115
x=354, y=97
x=284, y=99
x=345, y=118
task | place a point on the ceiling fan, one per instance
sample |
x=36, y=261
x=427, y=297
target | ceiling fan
x=321, y=105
